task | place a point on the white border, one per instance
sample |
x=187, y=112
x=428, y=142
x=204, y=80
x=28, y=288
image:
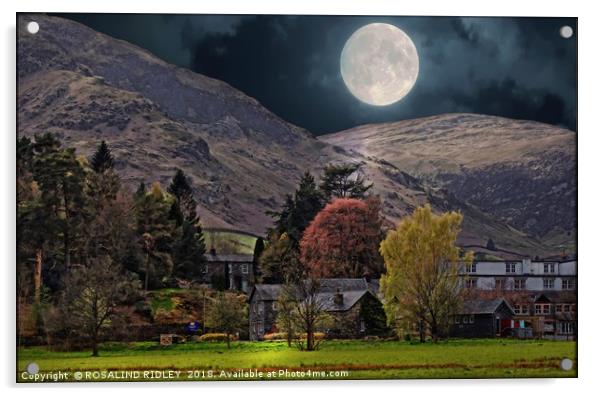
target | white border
x=589, y=189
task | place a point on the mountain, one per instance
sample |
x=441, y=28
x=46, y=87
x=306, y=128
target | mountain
x=85, y=87
x=521, y=172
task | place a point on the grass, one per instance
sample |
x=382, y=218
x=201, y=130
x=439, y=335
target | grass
x=359, y=359
x=229, y=242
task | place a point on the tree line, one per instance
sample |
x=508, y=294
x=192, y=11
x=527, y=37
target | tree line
x=87, y=244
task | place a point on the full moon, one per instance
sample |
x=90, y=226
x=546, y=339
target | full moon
x=379, y=64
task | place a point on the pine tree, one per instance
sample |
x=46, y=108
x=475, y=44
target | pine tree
x=189, y=248
x=298, y=210
x=257, y=252
x=338, y=182
x=182, y=190
x=102, y=160
x=61, y=180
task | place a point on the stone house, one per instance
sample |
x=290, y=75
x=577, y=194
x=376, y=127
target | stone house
x=353, y=304
x=229, y=271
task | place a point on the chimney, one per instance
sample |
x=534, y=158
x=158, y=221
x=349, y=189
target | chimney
x=338, y=297
x=367, y=276
x=212, y=251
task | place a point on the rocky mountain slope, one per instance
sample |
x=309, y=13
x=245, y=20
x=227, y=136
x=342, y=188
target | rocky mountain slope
x=85, y=86
x=522, y=172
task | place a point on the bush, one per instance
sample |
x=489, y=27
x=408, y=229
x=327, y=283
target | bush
x=317, y=335
x=274, y=337
x=216, y=337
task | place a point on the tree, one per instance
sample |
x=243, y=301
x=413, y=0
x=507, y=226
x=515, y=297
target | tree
x=422, y=284
x=60, y=178
x=90, y=297
x=491, y=245
x=103, y=183
x=181, y=189
x=280, y=261
x=228, y=313
x=189, y=246
x=343, y=239
x=102, y=160
x=257, y=252
x=285, y=317
x=338, y=182
x=308, y=312
x=299, y=210
x=156, y=231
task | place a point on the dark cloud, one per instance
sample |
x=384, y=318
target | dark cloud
x=512, y=67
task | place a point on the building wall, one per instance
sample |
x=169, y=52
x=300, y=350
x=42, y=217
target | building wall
x=262, y=317
x=481, y=325
x=537, y=276
x=236, y=275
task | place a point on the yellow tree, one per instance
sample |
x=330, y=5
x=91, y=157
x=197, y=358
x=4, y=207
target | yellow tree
x=422, y=284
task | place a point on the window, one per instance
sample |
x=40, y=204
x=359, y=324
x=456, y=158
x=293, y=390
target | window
x=499, y=283
x=548, y=268
x=205, y=269
x=542, y=309
x=471, y=268
x=524, y=309
x=457, y=319
x=471, y=283
x=521, y=309
x=566, y=328
x=566, y=308
x=471, y=319
x=548, y=283
x=519, y=284
x=275, y=305
x=464, y=319
x=244, y=268
x=568, y=284
x=510, y=268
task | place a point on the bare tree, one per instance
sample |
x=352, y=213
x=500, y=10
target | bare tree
x=309, y=313
x=90, y=297
x=285, y=318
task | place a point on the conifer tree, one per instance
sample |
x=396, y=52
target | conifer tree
x=189, y=247
x=102, y=160
x=338, y=182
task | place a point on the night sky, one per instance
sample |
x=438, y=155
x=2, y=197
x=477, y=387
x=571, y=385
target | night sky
x=513, y=67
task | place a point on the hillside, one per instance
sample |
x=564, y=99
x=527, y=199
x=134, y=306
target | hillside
x=522, y=172
x=85, y=87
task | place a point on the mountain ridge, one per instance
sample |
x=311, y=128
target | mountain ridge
x=242, y=159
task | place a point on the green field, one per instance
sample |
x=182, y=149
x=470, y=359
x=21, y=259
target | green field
x=229, y=242
x=334, y=360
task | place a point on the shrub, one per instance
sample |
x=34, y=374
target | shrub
x=317, y=335
x=274, y=336
x=216, y=337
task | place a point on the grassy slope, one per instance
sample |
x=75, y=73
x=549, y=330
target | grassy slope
x=226, y=242
x=452, y=359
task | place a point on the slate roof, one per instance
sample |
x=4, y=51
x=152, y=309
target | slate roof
x=343, y=284
x=483, y=306
x=268, y=292
x=229, y=258
x=569, y=296
x=351, y=289
x=350, y=298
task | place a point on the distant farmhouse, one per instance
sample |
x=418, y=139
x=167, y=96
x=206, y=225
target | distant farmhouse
x=522, y=298
x=353, y=303
x=229, y=271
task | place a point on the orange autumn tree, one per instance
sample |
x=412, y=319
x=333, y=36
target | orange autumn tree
x=343, y=239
